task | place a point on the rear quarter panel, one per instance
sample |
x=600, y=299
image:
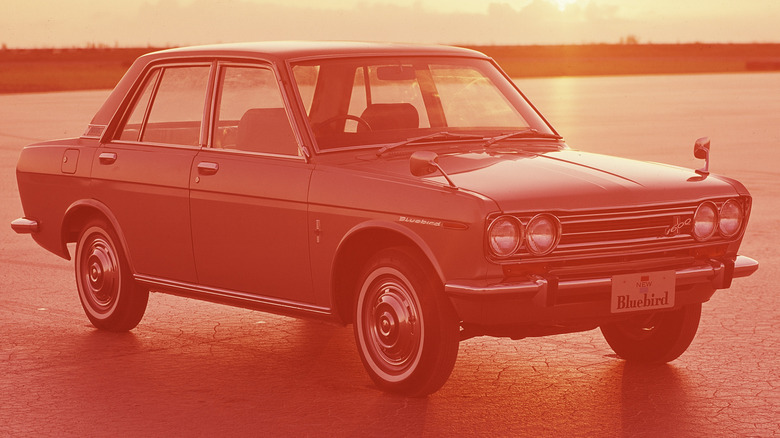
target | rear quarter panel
x=47, y=187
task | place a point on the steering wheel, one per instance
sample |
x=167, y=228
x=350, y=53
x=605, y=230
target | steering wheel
x=333, y=119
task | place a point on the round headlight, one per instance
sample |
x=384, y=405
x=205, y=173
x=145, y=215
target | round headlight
x=542, y=234
x=505, y=235
x=705, y=221
x=730, y=218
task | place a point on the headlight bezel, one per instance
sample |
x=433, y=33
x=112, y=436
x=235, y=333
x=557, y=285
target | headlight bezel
x=532, y=246
x=715, y=221
x=740, y=220
x=518, y=241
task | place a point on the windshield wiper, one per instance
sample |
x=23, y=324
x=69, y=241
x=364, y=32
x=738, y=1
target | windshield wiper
x=525, y=133
x=436, y=136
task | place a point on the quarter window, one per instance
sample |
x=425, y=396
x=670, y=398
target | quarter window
x=132, y=129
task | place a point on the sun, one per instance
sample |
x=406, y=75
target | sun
x=562, y=4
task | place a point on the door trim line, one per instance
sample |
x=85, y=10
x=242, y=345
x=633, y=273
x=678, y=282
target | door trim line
x=234, y=298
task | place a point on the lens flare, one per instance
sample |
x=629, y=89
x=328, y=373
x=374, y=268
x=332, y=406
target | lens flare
x=562, y=4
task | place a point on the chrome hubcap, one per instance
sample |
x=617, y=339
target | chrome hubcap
x=100, y=274
x=392, y=323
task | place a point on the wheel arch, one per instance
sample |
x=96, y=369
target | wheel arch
x=77, y=215
x=357, y=246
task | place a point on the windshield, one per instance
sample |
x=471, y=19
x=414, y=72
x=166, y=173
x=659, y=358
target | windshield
x=358, y=102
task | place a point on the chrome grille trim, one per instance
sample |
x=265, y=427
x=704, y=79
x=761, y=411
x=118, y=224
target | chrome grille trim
x=587, y=234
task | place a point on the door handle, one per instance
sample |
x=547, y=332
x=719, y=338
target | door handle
x=107, y=157
x=207, y=168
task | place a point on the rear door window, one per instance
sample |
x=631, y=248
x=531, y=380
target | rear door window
x=169, y=108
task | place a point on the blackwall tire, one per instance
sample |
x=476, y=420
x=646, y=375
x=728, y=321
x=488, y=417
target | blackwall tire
x=407, y=333
x=657, y=338
x=108, y=294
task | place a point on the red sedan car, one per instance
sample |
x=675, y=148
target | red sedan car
x=411, y=191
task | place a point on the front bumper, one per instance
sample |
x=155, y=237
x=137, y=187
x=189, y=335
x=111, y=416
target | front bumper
x=548, y=300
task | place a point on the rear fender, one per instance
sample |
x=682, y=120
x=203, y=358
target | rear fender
x=76, y=216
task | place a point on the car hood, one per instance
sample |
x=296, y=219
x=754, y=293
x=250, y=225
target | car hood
x=568, y=179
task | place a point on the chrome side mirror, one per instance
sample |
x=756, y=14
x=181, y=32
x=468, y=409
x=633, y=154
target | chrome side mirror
x=423, y=163
x=701, y=150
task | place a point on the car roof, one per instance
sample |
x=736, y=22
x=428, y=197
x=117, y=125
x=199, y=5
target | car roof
x=272, y=51
x=287, y=50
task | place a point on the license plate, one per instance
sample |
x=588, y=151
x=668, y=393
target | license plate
x=645, y=291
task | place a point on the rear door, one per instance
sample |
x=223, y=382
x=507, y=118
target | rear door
x=142, y=174
x=249, y=192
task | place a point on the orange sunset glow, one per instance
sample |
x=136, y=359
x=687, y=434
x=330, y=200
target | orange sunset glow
x=45, y=23
x=393, y=218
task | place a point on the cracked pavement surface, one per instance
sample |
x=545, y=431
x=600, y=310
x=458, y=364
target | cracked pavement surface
x=194, y=368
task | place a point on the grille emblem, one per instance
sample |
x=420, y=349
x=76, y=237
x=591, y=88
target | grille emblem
x=678, y=225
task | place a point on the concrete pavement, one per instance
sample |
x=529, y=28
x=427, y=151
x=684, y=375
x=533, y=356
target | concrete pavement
x=198, y=369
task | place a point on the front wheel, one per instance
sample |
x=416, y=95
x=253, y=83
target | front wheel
x=656, y=338
x=407, y=333
x=108, y=294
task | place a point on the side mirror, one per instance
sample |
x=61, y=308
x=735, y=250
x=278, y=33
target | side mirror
x=423, y=163
x=701, y=150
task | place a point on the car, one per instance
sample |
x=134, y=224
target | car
x=411, y=191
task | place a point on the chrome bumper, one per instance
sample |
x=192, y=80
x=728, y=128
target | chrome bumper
x=24, y=226
x=716, y=273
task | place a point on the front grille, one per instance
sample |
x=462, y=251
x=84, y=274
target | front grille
x=587, y=234
x=638, y=229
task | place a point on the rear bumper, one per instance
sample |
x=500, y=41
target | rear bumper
x=25, y=226
x=541, y=300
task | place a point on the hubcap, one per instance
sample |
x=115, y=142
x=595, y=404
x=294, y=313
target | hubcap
x=392, y=323
x=100, y=272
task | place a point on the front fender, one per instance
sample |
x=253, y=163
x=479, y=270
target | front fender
x=395, y=228
x=356, y=246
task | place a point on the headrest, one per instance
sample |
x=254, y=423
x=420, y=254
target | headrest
x=266, y=130
x=383, y=116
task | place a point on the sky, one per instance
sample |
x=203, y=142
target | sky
x=141, y=23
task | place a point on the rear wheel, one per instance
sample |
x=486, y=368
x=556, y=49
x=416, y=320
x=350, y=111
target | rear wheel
x=108, y=294
x=407, y=333
x=656, y=338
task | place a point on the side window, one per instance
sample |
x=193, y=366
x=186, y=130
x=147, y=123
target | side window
x=132, y=128
x=170, y=108
x=250, y=113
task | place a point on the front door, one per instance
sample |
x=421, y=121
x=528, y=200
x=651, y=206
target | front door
x=249, y=192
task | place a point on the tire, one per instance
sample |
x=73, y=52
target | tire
x=108, y=294
x=658, y=338
x=407, y=333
